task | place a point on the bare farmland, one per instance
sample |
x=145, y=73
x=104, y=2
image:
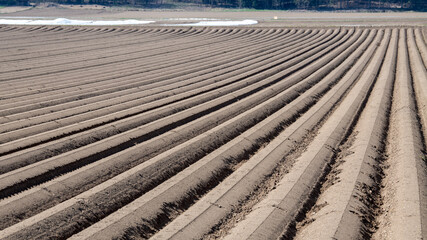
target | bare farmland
x=236, y=133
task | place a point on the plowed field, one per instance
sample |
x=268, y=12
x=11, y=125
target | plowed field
x=235, y=133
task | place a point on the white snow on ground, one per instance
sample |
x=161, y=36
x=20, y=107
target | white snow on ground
x=192, y=19
x=217, y=23
x=64, y=21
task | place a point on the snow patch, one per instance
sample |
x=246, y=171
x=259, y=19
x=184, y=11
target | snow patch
x=192, y=19
x=65, y=21
x=217, y=23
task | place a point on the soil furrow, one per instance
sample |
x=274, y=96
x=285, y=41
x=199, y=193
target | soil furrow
x=178, y=132
x=133, y=83
x=227, y=196
x=213, y=75
x=421, y=45
x=127, y=121
x=104, y=62
x=33, y=154
x=276, y=214
x=236, y=123
x=117, y=224
x=156, y=61
x=404, y=193
x=351, y=213
x=267, y=87
x=419, y=77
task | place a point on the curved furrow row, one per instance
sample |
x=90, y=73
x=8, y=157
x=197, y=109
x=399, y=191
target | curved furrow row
x=90, y=54
x=55, y=49
x=349, y=214
x=138, y=109
x=166, y=48
x=234, y=64
x=108, y=60
x=275, y=216
x=208, y=132
x=146, y=210
x=157, y=65
x=229, y=69
x=282, y=205
x=218, y=81
x=165, y=42
x=17, y=36
x=85, y=75
x=40, y=35
x=126, y=121
x=82, y=38
x=254, y=94
x=96, y=45
x=403, y=196
x=419, y=76
x=109, y=88
x=48, y=37
x=193, y=126
x=421, y=45
x=133, y=72
x=75, y=35
x=407, y=173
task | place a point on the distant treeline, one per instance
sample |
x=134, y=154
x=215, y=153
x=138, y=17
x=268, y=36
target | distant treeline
x=417, y=5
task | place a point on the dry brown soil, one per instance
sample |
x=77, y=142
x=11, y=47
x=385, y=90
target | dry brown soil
x=261, y=132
